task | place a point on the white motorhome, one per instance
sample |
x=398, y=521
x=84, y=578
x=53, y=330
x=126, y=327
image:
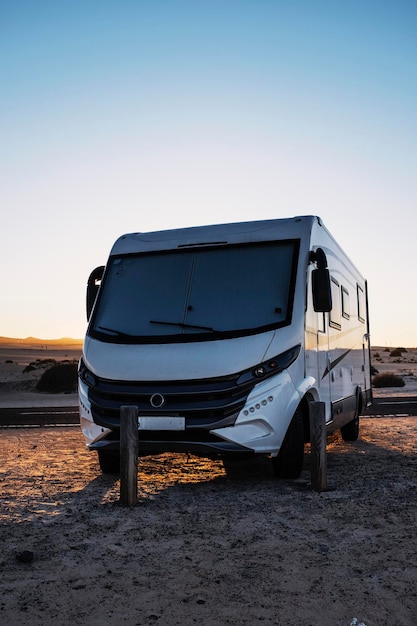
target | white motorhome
x=222, y=336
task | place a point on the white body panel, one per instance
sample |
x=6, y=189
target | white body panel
x=186, y=361
x=262, y=422
x=337, y=344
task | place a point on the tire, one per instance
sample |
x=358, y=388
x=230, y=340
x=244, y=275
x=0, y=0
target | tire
x=350, y=431
x=109, y=461
x=234, y=467
x=290, y=459
x=247, y=467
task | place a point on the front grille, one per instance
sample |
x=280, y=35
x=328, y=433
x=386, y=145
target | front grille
x=205, y=404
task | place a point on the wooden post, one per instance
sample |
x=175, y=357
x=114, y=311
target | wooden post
x=128, y=455
x=318, y=436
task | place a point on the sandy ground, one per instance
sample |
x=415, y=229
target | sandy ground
x=18, y=386
x=203, y=547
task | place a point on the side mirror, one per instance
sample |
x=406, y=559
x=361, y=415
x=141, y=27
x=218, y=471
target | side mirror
x=93, y=285
x=322, y=293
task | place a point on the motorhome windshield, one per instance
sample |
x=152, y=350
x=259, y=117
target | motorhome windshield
x=190, y=295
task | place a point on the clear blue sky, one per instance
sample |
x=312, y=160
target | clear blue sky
x=140, y=115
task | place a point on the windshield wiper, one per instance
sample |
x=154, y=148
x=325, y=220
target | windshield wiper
x=183, y=325
x=119, y=333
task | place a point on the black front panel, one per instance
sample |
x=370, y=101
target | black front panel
x=204, y=404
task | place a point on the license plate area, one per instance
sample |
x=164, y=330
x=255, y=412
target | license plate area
x=163, y=422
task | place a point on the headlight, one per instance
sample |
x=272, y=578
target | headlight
x=270, y=367
x=86, y=376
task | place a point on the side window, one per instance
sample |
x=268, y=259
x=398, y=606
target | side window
x=336, y=312
x=361, y=304
x=345, y=303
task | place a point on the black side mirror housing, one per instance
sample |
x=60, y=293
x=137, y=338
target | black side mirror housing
x=93, y=285
x=322, y=293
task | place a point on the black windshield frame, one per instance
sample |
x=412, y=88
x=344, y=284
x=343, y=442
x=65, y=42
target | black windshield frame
x=197, y=294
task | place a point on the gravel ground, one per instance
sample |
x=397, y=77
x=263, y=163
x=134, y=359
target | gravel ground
x=204, y=547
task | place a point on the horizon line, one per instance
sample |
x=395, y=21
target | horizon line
x=40, y=340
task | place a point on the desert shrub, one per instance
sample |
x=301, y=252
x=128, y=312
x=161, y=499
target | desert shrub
x=39, y=364
x=59, y=378
x=376, y=355
x=397, y=351
x=388, y=379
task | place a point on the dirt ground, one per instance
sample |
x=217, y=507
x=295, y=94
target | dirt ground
x=201, y=546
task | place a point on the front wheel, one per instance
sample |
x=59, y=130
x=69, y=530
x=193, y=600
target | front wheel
x=289, y=462
x=109, y=461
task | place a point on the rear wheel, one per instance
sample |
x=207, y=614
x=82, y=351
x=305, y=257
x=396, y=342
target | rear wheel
x=289, y=462
x=109, y=461
x=350, y=431
x=244, y=467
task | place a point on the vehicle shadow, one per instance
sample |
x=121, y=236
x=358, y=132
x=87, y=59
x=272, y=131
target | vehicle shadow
x=348, y=464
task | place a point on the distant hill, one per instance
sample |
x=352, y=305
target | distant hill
x=34, y=341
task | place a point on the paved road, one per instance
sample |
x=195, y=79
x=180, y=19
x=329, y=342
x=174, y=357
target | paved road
x=43, y=416
x=396, y=406
x=39, y=416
